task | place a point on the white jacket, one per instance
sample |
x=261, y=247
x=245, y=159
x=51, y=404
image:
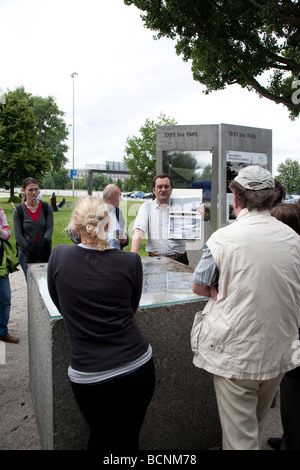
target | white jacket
x=250, y=331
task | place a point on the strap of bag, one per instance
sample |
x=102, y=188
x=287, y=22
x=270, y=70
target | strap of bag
x=21, y=213
x=19, y=209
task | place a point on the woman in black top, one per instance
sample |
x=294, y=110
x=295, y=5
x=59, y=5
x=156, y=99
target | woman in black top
x=33, y=226
x=97, y=290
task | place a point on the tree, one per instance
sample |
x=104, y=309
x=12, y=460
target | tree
x=32, y=132
x=234, y=41
x=180, y=166
x=289, y=175
x=100, y=181
x=119, y=183
x=52, y=130
x=141, y=153
x=61, y=178
x=19, y=156
x=56, y=180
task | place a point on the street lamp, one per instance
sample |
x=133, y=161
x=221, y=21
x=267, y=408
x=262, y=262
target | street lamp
x=73, y=165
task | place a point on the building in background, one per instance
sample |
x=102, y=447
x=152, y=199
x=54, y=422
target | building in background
x=115, y=170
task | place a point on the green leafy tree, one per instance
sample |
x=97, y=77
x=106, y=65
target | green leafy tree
x=100, y=181
x=61, y=178
x=206, y=174
x=119, y=183
x=81, y=183
x=234, y=41
x=47, y=181
x=52, y=130
x=19, y=156
x=140, y=152
x=180, y=166
x=56, y=180
x=289, y=175
x=32, y=132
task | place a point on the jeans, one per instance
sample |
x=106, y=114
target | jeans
x=23, y=260
x=5, y=299
x=115, y=409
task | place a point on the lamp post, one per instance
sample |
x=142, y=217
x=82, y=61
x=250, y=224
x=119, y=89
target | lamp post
x=73, y=164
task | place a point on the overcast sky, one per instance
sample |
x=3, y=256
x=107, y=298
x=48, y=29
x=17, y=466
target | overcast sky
x=124, y=77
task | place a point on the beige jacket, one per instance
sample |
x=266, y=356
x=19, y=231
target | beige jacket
x=249, y=332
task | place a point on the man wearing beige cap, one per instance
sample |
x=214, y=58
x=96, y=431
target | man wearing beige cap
x=246, y=334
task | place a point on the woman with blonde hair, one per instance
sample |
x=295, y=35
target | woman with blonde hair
x=97, y=290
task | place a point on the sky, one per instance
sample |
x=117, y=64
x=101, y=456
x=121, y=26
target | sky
x=124, y=77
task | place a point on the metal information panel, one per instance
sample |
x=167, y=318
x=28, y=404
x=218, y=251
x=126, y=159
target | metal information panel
x=239, y=146
x=189, y=155
x=207, y=157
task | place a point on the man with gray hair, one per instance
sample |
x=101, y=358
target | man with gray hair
x=246, y=334
x=117, y=235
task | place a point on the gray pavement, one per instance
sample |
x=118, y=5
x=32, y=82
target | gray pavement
x=18, y=429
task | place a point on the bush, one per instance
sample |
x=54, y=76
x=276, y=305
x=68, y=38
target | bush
x=15, y=199
x=207, y=214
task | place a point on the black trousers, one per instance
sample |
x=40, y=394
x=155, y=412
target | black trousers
x=115, y=409
x=290, y=411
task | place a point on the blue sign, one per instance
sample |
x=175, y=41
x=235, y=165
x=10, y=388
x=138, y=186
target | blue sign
x=73, y=174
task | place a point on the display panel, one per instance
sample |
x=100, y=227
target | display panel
x=236, y=160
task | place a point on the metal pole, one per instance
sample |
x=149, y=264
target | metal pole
x=73, y=160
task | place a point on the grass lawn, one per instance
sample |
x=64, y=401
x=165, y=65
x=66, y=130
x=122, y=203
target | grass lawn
x=62, y=218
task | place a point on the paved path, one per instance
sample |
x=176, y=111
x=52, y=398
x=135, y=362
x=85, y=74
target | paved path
x=18, y=430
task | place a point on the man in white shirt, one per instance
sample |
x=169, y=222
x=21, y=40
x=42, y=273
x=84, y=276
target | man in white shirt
x=117, y=235
x=152, y=219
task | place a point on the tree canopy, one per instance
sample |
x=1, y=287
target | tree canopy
x=141, y=153
x=51, y=127
x=253, y=43
x=32, y=132
x=289, y=175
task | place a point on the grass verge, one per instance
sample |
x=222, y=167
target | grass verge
x=63, y=216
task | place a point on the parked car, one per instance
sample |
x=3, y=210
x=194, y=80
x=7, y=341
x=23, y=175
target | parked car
x=148, y=196
x=136, y=194
x=127, y=194
x=290, y=199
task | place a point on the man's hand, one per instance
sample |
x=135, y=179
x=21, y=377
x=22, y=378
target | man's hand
x=201, y=209
x=213, y=292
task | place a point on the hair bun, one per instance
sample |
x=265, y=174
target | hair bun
x=102, y=212
x=91, y=220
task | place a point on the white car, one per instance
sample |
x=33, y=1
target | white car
x=290, y=199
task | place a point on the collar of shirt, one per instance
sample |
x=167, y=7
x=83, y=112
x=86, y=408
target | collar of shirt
x=157, y=206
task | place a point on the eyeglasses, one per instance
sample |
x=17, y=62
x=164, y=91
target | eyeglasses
x=33, y=190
